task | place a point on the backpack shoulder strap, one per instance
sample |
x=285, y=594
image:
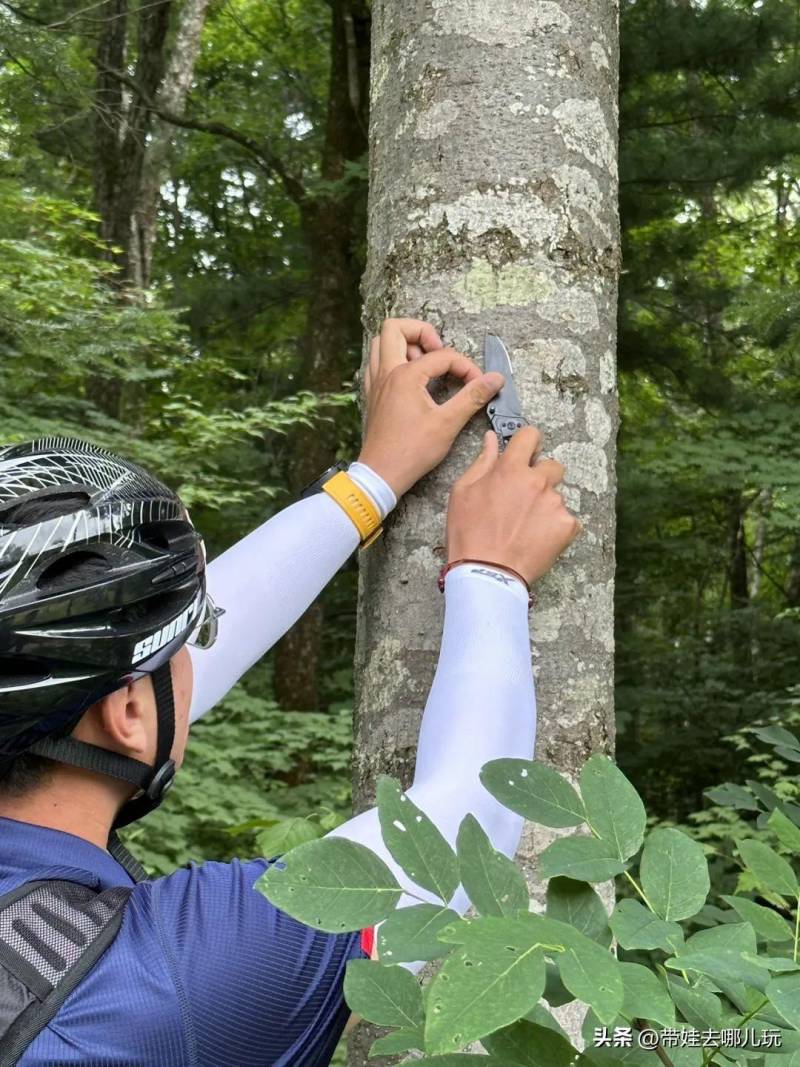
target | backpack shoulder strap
x=51, y=935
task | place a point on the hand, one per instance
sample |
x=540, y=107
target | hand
x=506, y=508
x=408, y=433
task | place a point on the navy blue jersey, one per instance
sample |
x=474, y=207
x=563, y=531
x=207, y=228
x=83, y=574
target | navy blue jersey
x=204, y=972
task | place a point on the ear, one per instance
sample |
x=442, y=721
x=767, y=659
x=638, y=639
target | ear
x=123, y=718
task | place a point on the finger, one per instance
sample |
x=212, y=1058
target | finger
x=475, y=395
x=448, y=361
x=398, y=334
x=552, y=470
x=485, y=460
x=413, y=352
x=523, y=446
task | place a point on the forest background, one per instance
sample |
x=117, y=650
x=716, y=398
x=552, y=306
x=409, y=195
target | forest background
x=218, y=343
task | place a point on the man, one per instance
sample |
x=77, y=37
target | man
x=110, y=645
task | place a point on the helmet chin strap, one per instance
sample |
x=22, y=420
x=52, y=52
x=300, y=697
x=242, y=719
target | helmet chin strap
x=153, y=782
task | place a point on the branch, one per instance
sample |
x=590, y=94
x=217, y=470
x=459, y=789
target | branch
x=261, y=152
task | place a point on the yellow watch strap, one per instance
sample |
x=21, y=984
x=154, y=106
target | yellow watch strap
x=352, y=499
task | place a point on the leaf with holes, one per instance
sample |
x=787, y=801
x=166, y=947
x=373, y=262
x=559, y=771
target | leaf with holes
x=333, y=885
x=534, y=790
x=387, y=996
x=410, y=934
x=494, y=977
x=415, y=842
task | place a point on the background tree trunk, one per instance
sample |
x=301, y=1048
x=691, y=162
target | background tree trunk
x=493, y=205
x=172, y=98
x=333, y=226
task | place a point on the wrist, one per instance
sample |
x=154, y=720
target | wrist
x=376, y=487
x=385, y=471
x=487, y=570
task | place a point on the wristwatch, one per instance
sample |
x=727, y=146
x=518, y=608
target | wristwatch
x=317, y=484
x=351, y=498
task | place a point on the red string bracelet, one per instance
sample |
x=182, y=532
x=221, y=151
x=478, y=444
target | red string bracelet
x=486, y=563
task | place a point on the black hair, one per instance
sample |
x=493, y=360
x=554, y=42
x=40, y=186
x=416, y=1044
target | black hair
x=27, y=772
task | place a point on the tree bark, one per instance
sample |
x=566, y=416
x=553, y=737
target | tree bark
x=333, y=227
x=493, y=205
x=172, y=98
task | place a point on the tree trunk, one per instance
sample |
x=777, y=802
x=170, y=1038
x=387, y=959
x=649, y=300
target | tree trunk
x=333, y=227
x=172, y=98
x=493, y=205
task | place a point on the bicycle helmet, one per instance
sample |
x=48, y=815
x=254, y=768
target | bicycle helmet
x=102, y=580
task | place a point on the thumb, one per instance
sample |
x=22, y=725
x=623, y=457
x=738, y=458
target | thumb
x=484, y=461
x=474, y=396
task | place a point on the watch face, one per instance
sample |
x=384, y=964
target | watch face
x=317, y=484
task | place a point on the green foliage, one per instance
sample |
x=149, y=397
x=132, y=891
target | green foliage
x=680, y=960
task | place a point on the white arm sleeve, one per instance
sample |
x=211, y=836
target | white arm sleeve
x=481, y=706
x=268, y=579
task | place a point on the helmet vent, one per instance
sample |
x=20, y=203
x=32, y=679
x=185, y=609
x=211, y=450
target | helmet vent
x=73, y=571
x=41, y=507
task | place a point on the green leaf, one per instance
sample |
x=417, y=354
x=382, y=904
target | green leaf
x=674, y=874
x=495, y=977
x=578, y=905
x=579, y=857
x=777, y=735
x=334, y=885
x=739, y=936
x=593, y=975
x=645, y=996
x=409, y=934
x=785, y=830
x=699, y=1007
x=530, y=1045
x=388, y=996
x=555, y=992
x=768, y=868
x=415, y=842
x=733, y=796
x=784, y=993
x=766, y=922
x=723, y=964
x=635, y=926
x=534, y=790
x=614, y=809
x=404, y=1040
x=778, y=964
x=285, y=835
x=492, y=882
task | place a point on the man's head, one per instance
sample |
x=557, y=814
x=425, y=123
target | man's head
x=124, y=721
x=102, y=582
